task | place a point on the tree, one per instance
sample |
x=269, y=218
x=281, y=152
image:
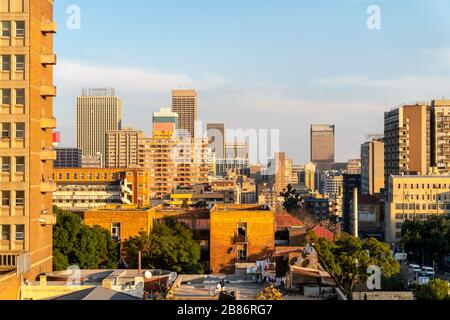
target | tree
x=348, y=258
x=86, y=247
x=169, y=247
x=427, y=241
x=269, y=293
x=435, y=290
x=292, y=200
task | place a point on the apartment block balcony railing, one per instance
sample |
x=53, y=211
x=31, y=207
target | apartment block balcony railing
x=47, y=218
x=48, y=59
x=48, y=123
x=48, y=187
x=48, y=154
x=48, y=91
x=8, y=260
x=48, y=27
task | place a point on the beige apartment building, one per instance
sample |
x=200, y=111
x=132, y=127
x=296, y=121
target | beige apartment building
x=184, y=102
x=372, y=166
x=415, y=198
x=122, y=148
x=26, y=144
x=98, y=111
x=440, y=135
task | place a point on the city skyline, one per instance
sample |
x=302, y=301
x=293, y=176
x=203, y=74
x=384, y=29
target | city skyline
x=293, y=72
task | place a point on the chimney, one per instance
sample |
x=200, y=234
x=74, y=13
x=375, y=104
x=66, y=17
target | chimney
x=355, y=213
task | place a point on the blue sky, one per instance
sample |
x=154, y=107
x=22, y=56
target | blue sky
x=257, y=64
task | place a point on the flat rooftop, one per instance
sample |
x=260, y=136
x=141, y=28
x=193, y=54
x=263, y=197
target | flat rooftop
x=240, y=207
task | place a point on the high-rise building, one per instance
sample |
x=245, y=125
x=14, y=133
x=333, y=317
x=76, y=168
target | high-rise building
x=323, y=146
x=122, y=148
x=26, y=143
x=372, y=166
x=68, y=158
x=280, y=172
x=235, y=150
x=98, y=111
x=307, y=177
x=216, y=138
x=354, y=166
x=184, y=102
x=351, y=181
x=440, y=135
x=165, y=124
x=407, y=140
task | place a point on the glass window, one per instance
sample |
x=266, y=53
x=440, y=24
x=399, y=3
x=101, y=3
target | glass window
x=20, y=164
x=20, y=96
x=6, y=197
x=20, y=198
x=6, y=28
x=20, y=232
x=6, y=164
x=20, y=28
x=6, y=96
x=6, y=130
x=20, y=130
x=116, y=231
x=6, y=62
x=6, y=232
x=20, y=63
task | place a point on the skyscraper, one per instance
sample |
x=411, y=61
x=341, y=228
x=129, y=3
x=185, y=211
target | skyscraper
x=98, y=111
x=323, y=146
x=440, y=135
x=165, y=124
x=372, y=166
x=184, y=102
x=216, y=138
x=26, y=144
x=122, y=147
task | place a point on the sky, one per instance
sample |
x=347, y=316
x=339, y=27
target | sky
x=256, y=64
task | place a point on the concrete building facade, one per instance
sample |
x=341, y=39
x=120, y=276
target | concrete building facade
x=184, y=102
x=68, y=158
x=122, y=148
x=323, y=146
x=372, y=166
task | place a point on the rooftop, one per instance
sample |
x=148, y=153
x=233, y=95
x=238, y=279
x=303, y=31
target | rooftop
x=240, y=207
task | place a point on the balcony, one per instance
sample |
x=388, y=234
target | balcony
x=48, y=91
x=240, y=239
x=48, y=187
x=48, y=59
x=48, y=123
x=48, y=154
x=47, y=219
x=8, y=260
x=48, y=27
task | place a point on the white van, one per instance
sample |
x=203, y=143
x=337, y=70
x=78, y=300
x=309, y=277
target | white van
x=429, y=271
x=415, y=268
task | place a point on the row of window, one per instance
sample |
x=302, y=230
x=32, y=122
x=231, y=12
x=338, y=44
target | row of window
x=19, y=28
x=6, y=232
x=6, y=62
x=82, y=176
x=6, y=164
x=6, y=130
x=6, y=198
x=414, y=206
x=6, y=96
x=423, y=186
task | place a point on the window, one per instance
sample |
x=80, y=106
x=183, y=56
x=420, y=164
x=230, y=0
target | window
x=20, y=165
x=6, y=232
x=6, y=130
x=20, y=198
x=6, y=63
x=20, y=130
x=20, y=29
x=115, y=230
x=6, y=96
x=67, y=175
x=242, y=230
x=20, y=63
x=242, y=254
x=6, y=198
x=20, y=97
x=6, y=28
x=6, y=164
x=20, y=232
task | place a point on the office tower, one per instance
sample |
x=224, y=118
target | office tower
x=165, y=124
x=216, y=138
x=307, y=177
x=372, y=166
x=68, y=158
x=184, y=102
x=26, y=144
x=323, y=146
x=280, y=172
x=407, y=140
x=173, y=163
x=122, y=147
x=334, y=185
x=98, y=111
x=235, y=150
x=291, y=177
x=351, y=181
x=440, y=135
x=225, y=166
x=354, y=166
x=92, y=162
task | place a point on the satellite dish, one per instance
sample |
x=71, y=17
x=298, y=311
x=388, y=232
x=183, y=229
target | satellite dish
x=148, y=275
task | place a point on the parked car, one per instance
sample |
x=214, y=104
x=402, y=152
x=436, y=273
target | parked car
x=415, y=268
x=423, y=280
x=429, y=271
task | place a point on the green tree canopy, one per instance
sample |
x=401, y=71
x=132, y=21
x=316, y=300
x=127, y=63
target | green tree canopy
x=76, y=244
x=348, y=258
x=292, y=201
x=169, y=247
x=435, y=290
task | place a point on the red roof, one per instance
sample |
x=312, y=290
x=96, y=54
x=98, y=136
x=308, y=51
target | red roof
x=286, y=220
x=321, y=232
